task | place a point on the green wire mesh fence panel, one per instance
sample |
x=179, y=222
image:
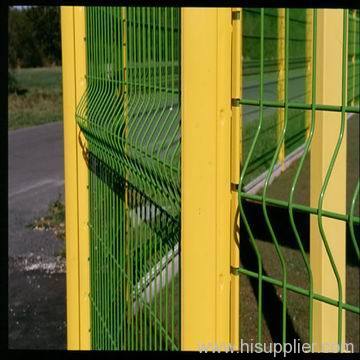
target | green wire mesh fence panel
x=299, y=80
x=298, y=61
x=276, y=276
x=130, y=116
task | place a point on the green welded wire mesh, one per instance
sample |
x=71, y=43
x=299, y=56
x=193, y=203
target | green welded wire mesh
x=264, y=205
x=298, y=62
x=299, y=79
x=130, y=116
x=132, y=100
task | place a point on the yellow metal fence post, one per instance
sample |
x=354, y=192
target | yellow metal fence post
x=236, y=154
x=76, y=180
x=205, y=179
x=70, y=167
x=327, y=129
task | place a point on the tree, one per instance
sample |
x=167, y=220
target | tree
x=34, y=36
x=46, y=32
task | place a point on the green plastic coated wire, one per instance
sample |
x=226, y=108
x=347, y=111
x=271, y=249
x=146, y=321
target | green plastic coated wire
x=130, y=116
x=254, y=159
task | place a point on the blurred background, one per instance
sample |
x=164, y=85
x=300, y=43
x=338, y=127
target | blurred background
x=34, y=57
x=36, y=273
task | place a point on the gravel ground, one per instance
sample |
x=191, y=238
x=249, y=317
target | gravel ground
x=36, y=271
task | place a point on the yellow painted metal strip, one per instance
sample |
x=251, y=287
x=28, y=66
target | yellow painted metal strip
x=223, y=186
x=76, y=180
x=236, y=153
x=82, y=183
x=327, y=128
x=206, y=196
x=70, y=170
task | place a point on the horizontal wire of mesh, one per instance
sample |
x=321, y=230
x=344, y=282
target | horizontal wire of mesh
x=285, y=221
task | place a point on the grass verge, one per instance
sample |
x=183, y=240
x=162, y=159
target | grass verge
x=53, y=221
x=40, y=98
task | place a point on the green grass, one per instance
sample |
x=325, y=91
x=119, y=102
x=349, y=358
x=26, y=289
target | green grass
x=53, y=221
x=251, y=32
x=40, y=98
x=267, y=141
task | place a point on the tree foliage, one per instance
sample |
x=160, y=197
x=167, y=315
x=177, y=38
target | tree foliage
x=34, y=36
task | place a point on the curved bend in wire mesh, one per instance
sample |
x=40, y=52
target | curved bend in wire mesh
x=256, y=270
x=130, y=111
x=130, y=116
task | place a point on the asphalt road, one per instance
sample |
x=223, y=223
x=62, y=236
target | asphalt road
x=36, y=270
